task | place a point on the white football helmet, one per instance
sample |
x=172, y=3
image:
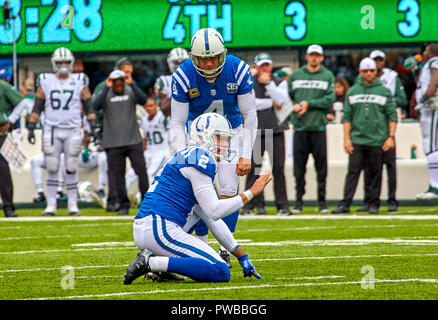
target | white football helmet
x=176, y=57
x=85, y=190
x=61, y=55
x=204, y=131
x=207, y=43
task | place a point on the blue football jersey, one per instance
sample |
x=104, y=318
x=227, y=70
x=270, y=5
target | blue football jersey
x=171, y=194
x=221, y=97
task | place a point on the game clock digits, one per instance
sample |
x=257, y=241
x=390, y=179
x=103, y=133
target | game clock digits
x=41, y=26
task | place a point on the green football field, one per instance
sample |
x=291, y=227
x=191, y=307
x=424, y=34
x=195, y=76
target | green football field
x=301, y=257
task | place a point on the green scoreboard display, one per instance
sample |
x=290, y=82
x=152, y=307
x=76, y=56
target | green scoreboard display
x=40, y=26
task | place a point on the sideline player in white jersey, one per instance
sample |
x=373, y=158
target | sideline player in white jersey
x=94, y=158
x=163, y=83
x=186, y=181
x=213, y=81
x=37, y=164
x=426, y=95
x=154, y=127
x=60, y=95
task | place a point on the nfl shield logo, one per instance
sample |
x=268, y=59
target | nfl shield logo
x=213, y=92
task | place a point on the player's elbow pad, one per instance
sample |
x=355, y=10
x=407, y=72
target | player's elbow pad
x=88, y=106
x=38, y=105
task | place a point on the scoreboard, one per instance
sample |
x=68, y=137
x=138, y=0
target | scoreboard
x=40, y=26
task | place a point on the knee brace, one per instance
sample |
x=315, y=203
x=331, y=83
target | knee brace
x=52, y=163
x=74, y=149
x=48, y=146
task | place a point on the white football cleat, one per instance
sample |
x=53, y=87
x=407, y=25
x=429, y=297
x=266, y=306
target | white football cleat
x=430, y=194
x=73, y=209
x=50, y=209
x=99, y=198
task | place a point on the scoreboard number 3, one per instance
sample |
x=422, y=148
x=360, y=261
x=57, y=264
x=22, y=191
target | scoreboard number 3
x=298, y=28
x=410, y=26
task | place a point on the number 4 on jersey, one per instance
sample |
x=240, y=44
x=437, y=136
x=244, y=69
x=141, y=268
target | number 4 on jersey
x=216, y=106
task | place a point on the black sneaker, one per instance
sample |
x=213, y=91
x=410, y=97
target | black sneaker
x=225, y=255
x=392, y=205
x=40, y=197
x=364, y=208
x=323, y=208
x=122, y=211
x=164, y=276
x=283, y=212
x=112, y=207
x=261, y=210
x=373, y=209
x=138, y=267
x=247, y=212
x=341, y=209
x=297, y=209
x=10, y=213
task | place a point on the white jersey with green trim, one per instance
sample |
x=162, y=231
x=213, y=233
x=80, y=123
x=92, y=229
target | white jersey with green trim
x=62, y=99
x=424, y=78
x=389, y=79
x=164, y=84
x=155, y=131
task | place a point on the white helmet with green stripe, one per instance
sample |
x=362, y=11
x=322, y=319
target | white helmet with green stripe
x=59, y=58
x=176, y=57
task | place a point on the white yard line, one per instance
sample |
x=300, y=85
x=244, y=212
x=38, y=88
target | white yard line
x=256, y=217
x=345, y=242
x=352, y=257
x=59, y=250
x=338, y=227
x=104, y=244
x=77, y=225
x=311, y=278
x=268, y=259
x=96, y=246
x=66, y=218
x=6, y=228
x=58, y=269
x=96, y=277
x=63, y=236
x=119, y=294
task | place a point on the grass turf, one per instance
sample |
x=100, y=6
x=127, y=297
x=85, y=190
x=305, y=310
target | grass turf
x=307, y=258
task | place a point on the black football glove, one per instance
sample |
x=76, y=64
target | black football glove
x=31, y=135
x=93, y=129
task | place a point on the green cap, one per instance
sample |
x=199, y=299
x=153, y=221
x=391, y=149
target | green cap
x=262, y=58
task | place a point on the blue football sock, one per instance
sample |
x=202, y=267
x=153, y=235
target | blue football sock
x=199, y=269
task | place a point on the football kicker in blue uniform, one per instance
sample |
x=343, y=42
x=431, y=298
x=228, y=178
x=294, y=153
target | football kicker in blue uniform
x=184, y=183
x=212, y=81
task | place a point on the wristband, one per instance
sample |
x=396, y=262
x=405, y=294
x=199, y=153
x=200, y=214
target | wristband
x=31, y=126
x=248, y=194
